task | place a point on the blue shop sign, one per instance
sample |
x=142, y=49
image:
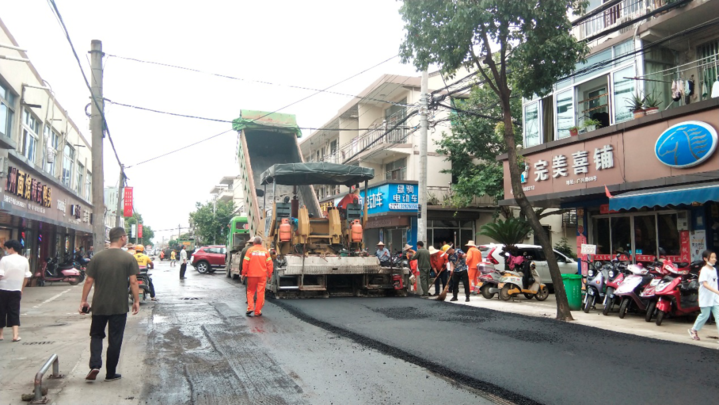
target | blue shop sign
x=686, y=144
x=392, y=198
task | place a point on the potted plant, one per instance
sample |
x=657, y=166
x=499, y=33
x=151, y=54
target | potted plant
x=636, y=105
x=652, y=103
x=591, y=125
x=574, y=131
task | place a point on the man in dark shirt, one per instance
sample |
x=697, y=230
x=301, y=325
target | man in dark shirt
x=459, y=272
x=424, y=266
x=109, y=271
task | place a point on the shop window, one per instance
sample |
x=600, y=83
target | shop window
x=708, y=53
x=80, y=173
x=669, y=234
x=645, y=235
x=565, y=113
x=601, y=235
x=396, y=170
x=7, y=102
x=594, y=103
x=30, y=129
x=621, y=234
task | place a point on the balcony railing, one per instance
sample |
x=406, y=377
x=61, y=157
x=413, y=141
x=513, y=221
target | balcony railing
x=624, y=11
x=376, y=138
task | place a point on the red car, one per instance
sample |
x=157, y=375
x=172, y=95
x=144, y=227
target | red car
x=207, y=259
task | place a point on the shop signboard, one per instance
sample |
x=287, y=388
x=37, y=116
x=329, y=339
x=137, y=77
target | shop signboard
x=698, y=244
x=127, y=208
x=20, y=184
x=686, y=144
x=391, y=198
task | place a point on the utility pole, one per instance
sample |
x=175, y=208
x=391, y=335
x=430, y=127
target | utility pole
x=97, y=127
x=423, y=126
x=120, y=212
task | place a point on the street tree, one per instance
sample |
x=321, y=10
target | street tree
x=147, y=233
x=211, y=219
x=533, y=41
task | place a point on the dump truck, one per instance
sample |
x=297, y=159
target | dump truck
x=314, y=255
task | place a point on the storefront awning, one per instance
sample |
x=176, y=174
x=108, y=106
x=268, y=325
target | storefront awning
x=661, y=197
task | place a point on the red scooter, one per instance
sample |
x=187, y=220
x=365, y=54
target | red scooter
x=678, y=292
x=52, y=272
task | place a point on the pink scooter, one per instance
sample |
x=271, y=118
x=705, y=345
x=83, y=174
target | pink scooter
x=53, y=273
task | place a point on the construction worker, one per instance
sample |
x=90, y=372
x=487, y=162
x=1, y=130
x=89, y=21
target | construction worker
x=145, y=263
x=257, y=267
x=474, y=256
x=439, y=264
x=351, y=198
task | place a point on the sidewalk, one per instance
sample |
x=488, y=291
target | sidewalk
x=672, y=329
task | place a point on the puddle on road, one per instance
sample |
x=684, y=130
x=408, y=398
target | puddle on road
x=159, y=318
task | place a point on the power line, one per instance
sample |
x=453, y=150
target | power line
x=223, y=120
x=258, y=81
x=182, y=148
x=402, y=121
x=53, y=6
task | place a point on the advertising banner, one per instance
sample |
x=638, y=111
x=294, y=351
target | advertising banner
x=128, y=202
x=139, y=230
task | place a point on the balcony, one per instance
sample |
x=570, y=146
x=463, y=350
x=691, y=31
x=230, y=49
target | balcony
x=375, y=139
x=623, y=11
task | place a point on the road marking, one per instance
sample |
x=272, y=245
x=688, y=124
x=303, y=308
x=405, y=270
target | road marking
x=53, y=298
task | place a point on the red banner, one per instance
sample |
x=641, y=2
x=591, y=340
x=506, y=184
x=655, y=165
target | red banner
x=686, y=255
x=128, y=202
x=139, y=230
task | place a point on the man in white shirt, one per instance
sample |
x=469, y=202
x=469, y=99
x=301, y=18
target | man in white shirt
x=14, y=272
x=183, y=259
x=708, y=294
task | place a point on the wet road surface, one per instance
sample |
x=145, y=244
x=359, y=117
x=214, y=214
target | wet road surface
x=203, y=350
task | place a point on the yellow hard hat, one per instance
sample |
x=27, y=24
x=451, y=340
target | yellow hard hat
x=445, y=248
x=139, y=248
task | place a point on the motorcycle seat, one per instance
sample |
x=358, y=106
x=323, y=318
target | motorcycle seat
x=646, y=279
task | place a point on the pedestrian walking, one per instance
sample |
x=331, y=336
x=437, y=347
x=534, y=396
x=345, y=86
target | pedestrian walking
x=257, y=267
x=183, y=259
x=424, y=266
x=474, y=256
x=109, y=272
x=439, y=264
x=457, y=258
x=173, y=258
x=14, y=273
x=708, y=294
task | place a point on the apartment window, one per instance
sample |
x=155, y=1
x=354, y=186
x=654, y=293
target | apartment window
x=7, y=101
x=396, y=170
x=67, y=162
x=50, y=153
x=30, y=129
x=88, y=187
x=393, y=116
x=531, y=124
x=623, y=92
x=78, y=183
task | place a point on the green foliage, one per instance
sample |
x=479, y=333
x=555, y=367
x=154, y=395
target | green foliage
x=211, y=221
x=563, y=247
x=509, y=232
x=147, y=233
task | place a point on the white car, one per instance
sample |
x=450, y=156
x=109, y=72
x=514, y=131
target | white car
x=492, y=253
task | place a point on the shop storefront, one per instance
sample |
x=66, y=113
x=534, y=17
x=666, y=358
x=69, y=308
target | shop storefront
x=643, y=188
x=392, y=217
x=41, y=214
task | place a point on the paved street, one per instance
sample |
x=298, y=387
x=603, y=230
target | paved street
x=196, y=346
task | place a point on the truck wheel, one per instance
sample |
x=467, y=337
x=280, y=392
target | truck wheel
x=203, y=267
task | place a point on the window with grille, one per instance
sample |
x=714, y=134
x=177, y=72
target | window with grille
x=7, y=102
x=709, y=53
x=396, y=170
x=30, y=129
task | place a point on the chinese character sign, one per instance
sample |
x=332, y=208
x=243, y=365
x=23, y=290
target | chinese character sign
x=127, y=208
x=603, y=159
x=391, y=197
x=27, y=187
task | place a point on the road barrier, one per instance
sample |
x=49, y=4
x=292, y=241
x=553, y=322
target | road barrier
x=55, y=362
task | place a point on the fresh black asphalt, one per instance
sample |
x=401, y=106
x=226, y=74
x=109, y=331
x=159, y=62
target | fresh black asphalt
x=523, y=359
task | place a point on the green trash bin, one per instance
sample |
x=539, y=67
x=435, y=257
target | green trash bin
x=573, y=287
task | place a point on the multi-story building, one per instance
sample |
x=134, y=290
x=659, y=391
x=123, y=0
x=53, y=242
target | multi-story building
x=641, y=179
x=46, y=199
x=370, y=131
x=111, y=196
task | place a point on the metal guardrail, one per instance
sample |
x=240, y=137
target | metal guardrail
x=55, y=362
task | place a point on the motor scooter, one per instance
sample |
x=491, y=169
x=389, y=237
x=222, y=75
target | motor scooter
x=52, y=272
x=678, y=293
x=614, y=279
x=629, y=291
x=489, y=278
x=527, y=282
x=596, y=284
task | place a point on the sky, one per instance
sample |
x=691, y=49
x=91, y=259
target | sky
x=312, y=44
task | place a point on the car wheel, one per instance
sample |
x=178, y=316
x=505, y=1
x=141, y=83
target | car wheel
x=203, y=267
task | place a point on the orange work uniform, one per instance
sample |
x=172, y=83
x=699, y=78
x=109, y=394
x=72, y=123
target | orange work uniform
x=257, y=267
x=474, y=256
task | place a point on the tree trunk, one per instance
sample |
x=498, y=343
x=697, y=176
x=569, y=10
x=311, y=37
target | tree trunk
x=563, y=312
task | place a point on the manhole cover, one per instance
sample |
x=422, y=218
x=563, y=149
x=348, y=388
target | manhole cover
x=189, y=298
x=37, y=343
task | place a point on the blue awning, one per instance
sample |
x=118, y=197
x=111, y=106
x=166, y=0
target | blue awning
x=661, y=197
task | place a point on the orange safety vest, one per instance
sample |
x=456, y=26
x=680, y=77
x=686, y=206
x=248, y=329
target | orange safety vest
x=257, y=262
x=474, y=256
